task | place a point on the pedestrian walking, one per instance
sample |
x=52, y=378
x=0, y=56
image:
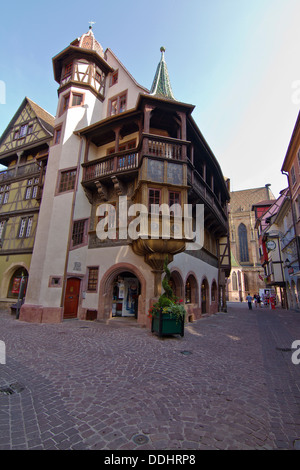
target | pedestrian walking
x=249, y=300
x=255, y=300
x=258, y=300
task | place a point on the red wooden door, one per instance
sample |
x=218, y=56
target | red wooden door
x=71, y=298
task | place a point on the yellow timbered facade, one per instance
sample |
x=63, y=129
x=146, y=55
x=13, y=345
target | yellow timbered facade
x=24, y=148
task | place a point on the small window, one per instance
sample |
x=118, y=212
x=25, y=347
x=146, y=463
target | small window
x=67, y=181
x=23, y=130
x=79, y=232
x=57, y=135
x=77, y=99
x=55, y=281
x=4, y=194
x=98, y=76
x=154, y=198
x=2, y=227
x=25, y=227
x=30, y=129
x=65, y=103
x=117, y=104
x=92, y=279
x=16, y=134
x=31, y=188
x=114, y=78
x=68, y=70
x=174, y=198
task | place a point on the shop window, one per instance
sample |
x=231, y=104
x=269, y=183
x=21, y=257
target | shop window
x=188, y=292
x=18, y=283
x=214, y=291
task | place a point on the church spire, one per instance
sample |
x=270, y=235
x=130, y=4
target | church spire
x=161, y=85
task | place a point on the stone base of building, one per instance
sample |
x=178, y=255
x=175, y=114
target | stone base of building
x=39, y=314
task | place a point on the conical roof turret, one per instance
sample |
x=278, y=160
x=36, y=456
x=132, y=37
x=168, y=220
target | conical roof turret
x=161, y=85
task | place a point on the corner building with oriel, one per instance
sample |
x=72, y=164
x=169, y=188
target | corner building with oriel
x=116, y=143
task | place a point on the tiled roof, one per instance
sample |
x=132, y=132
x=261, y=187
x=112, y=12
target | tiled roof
x=244, y=200
x=88, y=41
x=46, y=118
x=161, y=85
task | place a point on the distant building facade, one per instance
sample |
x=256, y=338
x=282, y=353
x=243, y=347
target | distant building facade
x=247, y=274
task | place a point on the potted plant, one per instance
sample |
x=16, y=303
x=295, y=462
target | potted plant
x=167, y=314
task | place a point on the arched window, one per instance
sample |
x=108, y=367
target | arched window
x=243, y=240
x=234, y=281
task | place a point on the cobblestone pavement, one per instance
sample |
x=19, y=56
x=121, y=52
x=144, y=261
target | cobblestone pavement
x=229, y=383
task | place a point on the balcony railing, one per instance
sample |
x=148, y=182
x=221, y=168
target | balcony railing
x=109, y=165
x=19, y=171
x=159, y=148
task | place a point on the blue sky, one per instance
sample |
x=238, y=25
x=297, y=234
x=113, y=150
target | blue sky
x=237, y=61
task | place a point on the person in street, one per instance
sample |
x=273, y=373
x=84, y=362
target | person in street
x=258, y=299
x=255, y=300
x=249, y=300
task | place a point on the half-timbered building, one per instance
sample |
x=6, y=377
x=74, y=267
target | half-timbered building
x=118, y=150
x=24, y=148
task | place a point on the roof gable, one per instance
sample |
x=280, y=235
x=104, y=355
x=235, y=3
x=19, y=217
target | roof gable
x=30, y=124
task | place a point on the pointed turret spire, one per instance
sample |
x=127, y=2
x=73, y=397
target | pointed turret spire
x=161, y=85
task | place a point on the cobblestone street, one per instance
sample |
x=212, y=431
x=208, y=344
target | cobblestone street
x=229, y=383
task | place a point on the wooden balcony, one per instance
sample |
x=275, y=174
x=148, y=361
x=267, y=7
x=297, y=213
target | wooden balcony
x=205, y=193
x=111, y=165
x=129, y=161
x=164, y=147
x=19, y=172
